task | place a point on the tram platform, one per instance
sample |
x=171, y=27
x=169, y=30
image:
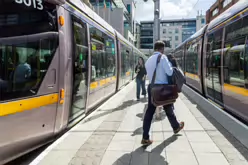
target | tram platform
x=111, y=135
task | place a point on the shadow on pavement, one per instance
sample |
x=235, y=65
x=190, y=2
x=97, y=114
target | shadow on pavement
x=124, y=105
x=141, y=156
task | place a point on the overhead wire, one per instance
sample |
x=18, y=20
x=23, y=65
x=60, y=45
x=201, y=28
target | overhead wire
x=192, y=9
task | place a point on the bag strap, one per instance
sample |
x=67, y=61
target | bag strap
x=154, y=73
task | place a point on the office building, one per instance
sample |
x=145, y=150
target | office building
x=119, y=14
x=217, y=8
x=137, y=35
x=146, y=35
x=172, y=34
x=172, y=31
x=129, y=24
x=112, y=11
x=200, y=21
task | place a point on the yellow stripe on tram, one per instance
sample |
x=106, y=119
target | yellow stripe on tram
x=102, y=82
x=13, y=107
x=193, y=76
x=228, y=87
x=234, y=89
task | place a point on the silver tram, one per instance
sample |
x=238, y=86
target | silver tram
x=215, y=60
x=58, y=61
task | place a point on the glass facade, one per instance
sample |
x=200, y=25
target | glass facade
x=188, y=29
x=146, y=36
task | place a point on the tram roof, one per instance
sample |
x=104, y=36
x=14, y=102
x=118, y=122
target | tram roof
x=235, y=9
x=89, y=12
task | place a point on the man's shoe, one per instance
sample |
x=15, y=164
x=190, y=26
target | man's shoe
x=181, y=125
x=146, y=142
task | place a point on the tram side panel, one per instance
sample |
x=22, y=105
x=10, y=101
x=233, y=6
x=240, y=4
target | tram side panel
x=103, y=62
x=125, y=56
x=29, y=74
x=193, y=64
x=70, y=83
x=225, y=70
x=235, y=67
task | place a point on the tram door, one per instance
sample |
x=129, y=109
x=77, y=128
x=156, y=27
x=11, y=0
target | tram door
x=213, y=63
x=79, y=68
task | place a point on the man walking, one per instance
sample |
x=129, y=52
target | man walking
x=164, y=69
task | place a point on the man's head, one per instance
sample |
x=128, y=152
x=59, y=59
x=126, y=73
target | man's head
x=159, y=46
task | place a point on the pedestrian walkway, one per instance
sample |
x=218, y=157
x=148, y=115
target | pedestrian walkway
x=112, y=135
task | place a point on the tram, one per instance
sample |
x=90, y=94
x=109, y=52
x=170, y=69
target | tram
x=215, y=60
x=59, y=60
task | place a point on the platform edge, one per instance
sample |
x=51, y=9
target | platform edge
x=238, y=129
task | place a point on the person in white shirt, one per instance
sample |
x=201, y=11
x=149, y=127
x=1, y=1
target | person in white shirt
x=164, y=70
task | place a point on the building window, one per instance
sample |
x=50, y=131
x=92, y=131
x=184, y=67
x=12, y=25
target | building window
x=176, y=38
x=215, y=12
x=202, y=20
x=146, y=25
x=164, y=31
x=176, y=30
x=167, y=24
x=177, y=24
x=226, y=2
x=129, y=8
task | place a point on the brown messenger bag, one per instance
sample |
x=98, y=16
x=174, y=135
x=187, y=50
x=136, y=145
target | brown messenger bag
x=162, y=94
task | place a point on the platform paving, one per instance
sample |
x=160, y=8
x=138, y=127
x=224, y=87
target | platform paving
x=112, y=134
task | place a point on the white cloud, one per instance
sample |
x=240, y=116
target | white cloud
x=172, y=9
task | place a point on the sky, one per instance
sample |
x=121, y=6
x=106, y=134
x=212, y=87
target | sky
x=171, y=9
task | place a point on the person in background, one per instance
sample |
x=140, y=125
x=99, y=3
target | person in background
x=172, y=60
x=164, y=69
x=140, y=70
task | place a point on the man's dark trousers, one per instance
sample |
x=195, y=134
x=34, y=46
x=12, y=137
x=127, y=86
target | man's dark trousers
x=169, y=110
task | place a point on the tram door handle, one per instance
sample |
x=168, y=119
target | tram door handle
x=61, y=96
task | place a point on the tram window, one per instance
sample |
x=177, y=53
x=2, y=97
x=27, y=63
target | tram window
x=179, y=57
x=80, y=54
x=103, y=54
x=25, y=57
x=235, y=53
x=19, y=19
x=125, y=60
x=80, y=66
x=24, y=66
x=191, y=61
x=245, y=29
x=214, y=53
x=110, y=47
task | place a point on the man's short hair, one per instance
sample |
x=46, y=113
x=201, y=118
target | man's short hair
x=159, y=45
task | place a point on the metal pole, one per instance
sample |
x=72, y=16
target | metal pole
x=156, y=32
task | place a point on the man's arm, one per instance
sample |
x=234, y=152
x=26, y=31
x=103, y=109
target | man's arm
x=167, y=66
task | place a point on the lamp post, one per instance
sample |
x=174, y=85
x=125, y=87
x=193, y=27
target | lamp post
x=156, y=25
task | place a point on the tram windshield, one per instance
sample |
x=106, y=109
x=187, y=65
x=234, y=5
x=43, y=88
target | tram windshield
x=28, y=42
